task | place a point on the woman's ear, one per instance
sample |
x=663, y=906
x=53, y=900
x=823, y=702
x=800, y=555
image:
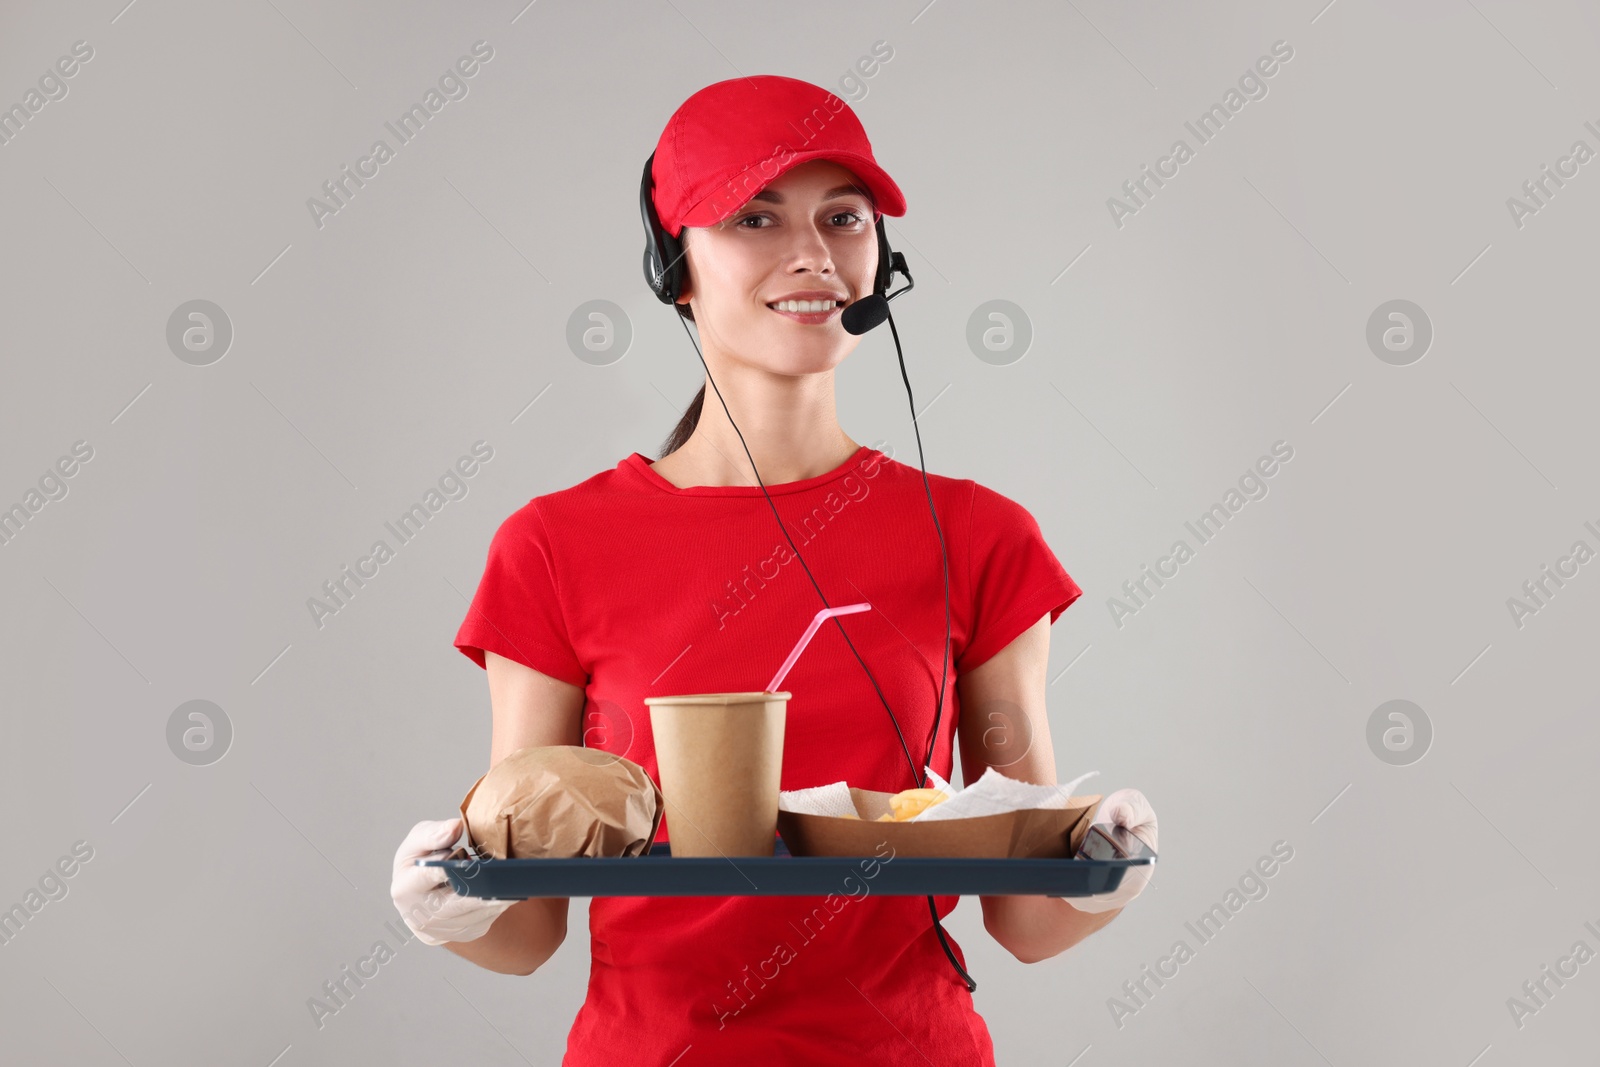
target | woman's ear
x=685, y=285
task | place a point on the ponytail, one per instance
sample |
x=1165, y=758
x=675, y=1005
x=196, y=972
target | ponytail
x=680, y=433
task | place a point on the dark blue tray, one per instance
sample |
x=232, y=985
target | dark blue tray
x=657, y=874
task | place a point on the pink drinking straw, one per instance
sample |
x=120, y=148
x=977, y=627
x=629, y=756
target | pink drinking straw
x=805, y=639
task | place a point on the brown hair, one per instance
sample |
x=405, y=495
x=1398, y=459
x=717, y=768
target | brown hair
x=691, y=418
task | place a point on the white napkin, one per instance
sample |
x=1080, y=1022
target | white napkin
x=991, y=794
x=833, y=799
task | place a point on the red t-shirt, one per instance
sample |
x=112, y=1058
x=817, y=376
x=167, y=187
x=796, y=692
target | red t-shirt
x=631, y=587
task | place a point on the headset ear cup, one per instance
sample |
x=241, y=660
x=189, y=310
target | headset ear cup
x=652, y=270
x=661, y=267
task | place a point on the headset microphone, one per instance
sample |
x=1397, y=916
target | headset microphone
x=871, y=311
x=664, y=271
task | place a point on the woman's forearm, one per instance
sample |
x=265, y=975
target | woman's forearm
x=1036, y=928
x=521, y=939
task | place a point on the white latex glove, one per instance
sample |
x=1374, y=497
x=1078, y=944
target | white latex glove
x=433, y=910
x=1126, y=808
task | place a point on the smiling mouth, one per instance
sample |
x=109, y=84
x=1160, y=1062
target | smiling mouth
x=805, y=307
x=808, y=312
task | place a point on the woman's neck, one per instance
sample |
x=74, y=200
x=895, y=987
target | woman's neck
x=709, y=458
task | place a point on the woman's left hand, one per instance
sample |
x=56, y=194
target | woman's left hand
x=1127, y=808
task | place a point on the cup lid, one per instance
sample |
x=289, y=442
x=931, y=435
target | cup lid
x=717, y=698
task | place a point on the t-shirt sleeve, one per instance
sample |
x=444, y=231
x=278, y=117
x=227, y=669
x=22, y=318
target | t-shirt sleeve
x=516, y=612
x=1014, y=576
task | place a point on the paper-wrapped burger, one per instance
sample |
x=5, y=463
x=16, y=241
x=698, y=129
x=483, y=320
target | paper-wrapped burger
x=562, y=801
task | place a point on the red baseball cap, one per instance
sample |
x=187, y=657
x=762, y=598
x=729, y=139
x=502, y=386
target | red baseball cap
x=730, y=140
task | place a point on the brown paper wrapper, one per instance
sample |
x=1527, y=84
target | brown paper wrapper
x=561, y=802
x=1032, y=833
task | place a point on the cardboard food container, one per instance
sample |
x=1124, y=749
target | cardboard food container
x=1031, y=833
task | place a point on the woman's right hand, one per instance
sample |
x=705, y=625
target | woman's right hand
x=433, y=910
x=1131, y=810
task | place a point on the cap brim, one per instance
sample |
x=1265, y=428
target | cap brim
x=723, y=201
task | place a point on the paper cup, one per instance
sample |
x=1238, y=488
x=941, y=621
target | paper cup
x=719, y=756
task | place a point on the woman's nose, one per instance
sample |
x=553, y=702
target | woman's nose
x=810, y=250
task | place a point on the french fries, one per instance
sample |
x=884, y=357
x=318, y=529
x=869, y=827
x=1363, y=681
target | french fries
x=909, y=803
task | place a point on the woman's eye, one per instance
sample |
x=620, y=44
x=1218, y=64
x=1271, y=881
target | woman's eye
x=850, y=218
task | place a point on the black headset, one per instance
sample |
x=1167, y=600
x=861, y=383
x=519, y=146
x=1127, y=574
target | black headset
x=664, y=270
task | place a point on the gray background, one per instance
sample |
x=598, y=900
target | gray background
x=1229, y=313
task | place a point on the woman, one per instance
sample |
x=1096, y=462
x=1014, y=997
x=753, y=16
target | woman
x=673, y=577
